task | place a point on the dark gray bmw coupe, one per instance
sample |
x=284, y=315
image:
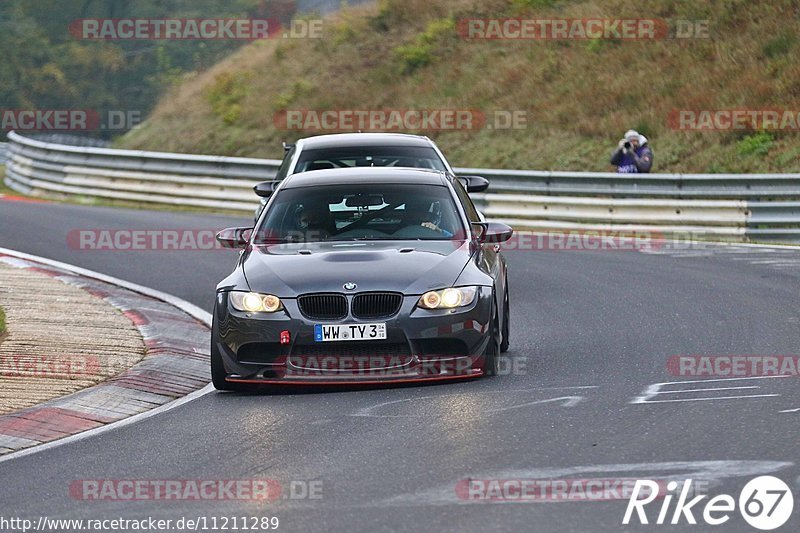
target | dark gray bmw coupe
x=363, y=275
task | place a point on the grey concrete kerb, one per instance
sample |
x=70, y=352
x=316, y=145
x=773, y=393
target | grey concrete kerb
x=176, y=337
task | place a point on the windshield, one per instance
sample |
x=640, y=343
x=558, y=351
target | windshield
x=361, y=212
x=369, y=156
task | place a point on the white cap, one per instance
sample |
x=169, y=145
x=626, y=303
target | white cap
x=635, y=134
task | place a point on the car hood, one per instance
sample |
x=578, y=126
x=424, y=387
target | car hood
x=410, y=267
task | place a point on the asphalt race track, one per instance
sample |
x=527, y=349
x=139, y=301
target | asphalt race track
x=591, y=336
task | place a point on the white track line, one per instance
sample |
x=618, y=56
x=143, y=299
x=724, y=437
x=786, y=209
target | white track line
x=708, y=390
x=710, y=399
x=731, y=245
x=109, y=427
x=183, y=305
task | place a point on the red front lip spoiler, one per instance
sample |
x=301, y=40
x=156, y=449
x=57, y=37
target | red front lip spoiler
x=353, y=379
x=414, y=371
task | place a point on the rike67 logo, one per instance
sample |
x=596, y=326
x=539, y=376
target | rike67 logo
x=765, y=503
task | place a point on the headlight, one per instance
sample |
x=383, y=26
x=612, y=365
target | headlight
x=252, y=302
x=448, y=298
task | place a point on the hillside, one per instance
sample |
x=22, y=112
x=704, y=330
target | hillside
x=579, y=96
x=49, y=65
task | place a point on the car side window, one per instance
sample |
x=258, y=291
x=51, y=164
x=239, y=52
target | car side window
x=466, y=201
x=287, y=161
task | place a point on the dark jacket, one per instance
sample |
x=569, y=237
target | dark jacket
x=630, y=164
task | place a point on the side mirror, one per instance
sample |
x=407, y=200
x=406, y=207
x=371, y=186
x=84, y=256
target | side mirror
x=234, y=237
x=493, y=232
x=266, y=188
x=474, y=183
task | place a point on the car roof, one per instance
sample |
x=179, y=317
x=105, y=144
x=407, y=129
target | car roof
x=363, y=139
x=340, y=176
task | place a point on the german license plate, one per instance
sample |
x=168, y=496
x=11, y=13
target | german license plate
x=349, y=332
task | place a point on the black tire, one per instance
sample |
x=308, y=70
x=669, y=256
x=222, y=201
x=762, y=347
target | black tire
x=506, y=342
x=491, y=356
x=218, y=372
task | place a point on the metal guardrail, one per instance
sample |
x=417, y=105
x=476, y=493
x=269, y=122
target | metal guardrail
x=742, y=207
x=705, y=186
x=178, y=179
x=69, y=139
x=3, y=153
x=732, y=206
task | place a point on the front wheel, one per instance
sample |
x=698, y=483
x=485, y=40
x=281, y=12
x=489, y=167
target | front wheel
x=218, y=372
x=491, y=356
x=506, y=323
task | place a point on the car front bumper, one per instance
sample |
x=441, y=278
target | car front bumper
x=421, y=345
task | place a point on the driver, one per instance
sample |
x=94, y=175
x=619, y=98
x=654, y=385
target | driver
x=418, y=213
x=316, y=221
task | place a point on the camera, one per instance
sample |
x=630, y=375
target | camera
x=627, y=145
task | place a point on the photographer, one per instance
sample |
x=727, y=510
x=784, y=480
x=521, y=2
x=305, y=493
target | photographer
x=633, y=155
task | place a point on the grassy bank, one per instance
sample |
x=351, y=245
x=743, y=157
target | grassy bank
x=579, y=95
